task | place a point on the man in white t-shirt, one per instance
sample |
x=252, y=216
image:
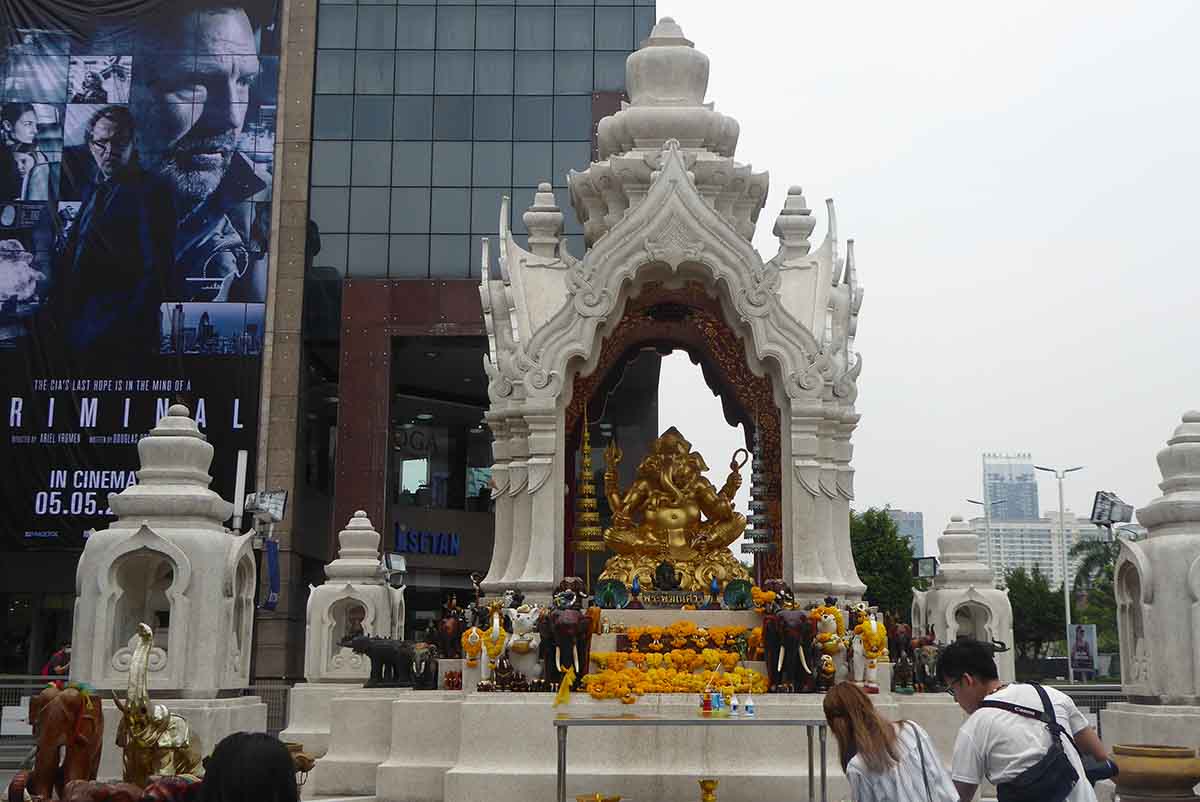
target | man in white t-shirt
x=998, y=745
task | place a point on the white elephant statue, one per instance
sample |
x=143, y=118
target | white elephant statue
x=525, y=641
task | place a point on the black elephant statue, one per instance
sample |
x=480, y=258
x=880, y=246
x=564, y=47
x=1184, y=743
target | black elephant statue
x=391, y=660
x=788, y=635
x=566, y=630
x=425, y=667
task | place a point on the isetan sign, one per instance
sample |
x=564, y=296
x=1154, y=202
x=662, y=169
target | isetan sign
x=436, y=543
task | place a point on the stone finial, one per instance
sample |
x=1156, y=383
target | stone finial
x=544, y=220
x=173, y=480
x=668, y=70
x=358, y=552
x=958, y=550
x=1177, y=510
x=795, y=225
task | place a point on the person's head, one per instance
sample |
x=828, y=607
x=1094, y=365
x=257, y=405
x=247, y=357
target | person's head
x=1080, y=635
x=250, y=767
x=19, y=122
x=968, y=668
x=109, y=137
x=191, y=92
x=858, y=729
x=92, y=82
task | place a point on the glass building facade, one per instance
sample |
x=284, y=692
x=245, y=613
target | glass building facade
x=1010, y=486
x=425, y=114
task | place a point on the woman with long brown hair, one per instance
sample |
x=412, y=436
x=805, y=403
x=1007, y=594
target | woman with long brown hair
x=884, y=761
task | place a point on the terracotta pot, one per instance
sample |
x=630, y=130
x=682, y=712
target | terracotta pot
x=1156, y=772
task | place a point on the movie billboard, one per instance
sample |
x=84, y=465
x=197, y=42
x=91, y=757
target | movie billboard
x=136, y=161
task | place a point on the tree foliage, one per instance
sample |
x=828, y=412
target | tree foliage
x=1099, y=607
x=884, y=561
x=1038, y=615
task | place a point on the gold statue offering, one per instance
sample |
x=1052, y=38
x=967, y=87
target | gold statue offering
x=155, y=741
x=685, y=521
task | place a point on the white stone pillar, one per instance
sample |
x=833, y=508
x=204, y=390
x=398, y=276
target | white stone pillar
x=852, y=586
x=545, y=499
x=803, y=562
x=519, y=499
x=502, y=548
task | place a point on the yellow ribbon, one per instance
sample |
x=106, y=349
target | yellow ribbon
x=564, y=688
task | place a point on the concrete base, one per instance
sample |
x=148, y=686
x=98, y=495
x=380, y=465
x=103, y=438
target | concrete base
x=210, y=721
x=1167, y=725
x=419, y=746
x=360, y=738
x=309, y=714
x=425, y=741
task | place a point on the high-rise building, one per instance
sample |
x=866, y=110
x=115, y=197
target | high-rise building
x=1030, y=544
x=1010, y=486
x=910, y=525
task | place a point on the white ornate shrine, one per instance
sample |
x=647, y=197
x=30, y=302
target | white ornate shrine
x=963, y=602
x=666, y=206
x=356, y=599
x=668, y=214
x=169, y=561
x=1158, y=607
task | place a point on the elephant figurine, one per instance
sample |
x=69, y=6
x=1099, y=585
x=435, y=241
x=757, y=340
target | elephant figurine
x=70, y=720
x=525, y=644
x=391, y=660
x=566, y=633
x=788, y=635
x=449, y=630
x=425, y=667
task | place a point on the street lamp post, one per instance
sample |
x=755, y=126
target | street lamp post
x=1062, y=534
x=987, y=529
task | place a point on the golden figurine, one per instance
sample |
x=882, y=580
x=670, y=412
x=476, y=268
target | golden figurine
x=708, y=790
x=685, y=521
x=155, y=741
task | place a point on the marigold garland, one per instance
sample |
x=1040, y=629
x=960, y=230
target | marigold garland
x=628, y=684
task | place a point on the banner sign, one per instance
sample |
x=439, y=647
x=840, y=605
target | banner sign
x=136, y=160
x=1083, y=647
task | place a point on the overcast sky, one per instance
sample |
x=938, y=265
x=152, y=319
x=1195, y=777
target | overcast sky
x=1021, y=181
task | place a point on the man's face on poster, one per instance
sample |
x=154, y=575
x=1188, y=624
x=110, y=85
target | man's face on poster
x=111, y=146
x=190, y=100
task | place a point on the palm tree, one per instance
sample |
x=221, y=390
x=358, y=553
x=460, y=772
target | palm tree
x=1097, y=557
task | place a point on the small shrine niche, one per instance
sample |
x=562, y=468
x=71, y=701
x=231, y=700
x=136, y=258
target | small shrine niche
x=143, y=582
x=347, y=618
x=1129, y=619
x=973, y=620
x=356, y=600
x=169, y=562
x=243, y=615
x=1158, y=582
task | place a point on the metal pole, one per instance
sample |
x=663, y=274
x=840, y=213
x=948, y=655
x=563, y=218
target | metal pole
x=562, y=764
x=821, y=735
x=1062, y=533
x=812, y=780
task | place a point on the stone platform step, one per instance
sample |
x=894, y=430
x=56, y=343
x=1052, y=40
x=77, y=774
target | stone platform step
x=13, y=750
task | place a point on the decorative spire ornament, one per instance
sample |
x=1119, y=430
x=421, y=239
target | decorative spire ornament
x=589, y=537
x=758, y=531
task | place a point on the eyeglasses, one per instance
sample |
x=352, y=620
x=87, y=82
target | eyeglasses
x=950, y=689
x=108, y=145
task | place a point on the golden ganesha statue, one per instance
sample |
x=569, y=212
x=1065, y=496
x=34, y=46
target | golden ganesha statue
x=685, y=521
